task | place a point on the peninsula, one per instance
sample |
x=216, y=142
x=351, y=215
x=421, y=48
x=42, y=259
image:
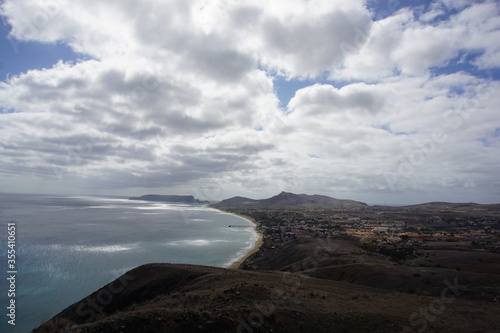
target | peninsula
x=169, y=198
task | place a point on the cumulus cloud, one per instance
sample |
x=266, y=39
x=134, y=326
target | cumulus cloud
x=181, y=96
x=413, y=43
x=423, y=135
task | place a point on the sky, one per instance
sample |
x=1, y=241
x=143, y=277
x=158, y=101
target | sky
x=385, y=102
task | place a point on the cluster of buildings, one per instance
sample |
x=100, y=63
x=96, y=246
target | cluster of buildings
x=389, y=228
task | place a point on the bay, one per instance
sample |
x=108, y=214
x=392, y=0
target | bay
x=68, y=247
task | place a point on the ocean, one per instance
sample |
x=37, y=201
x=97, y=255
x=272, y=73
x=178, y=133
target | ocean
x=68, y=247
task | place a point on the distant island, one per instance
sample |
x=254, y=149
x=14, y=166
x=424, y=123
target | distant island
x=169, y=198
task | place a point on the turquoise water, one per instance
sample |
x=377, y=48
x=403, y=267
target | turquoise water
x=68, y=247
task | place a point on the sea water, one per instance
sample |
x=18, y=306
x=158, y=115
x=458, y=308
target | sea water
x=68, y=247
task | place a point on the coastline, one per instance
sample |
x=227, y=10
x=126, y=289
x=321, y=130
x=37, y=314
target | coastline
x=256, y=247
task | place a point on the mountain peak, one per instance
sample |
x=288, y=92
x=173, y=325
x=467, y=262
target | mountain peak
x=285, y=194
x=288, y=200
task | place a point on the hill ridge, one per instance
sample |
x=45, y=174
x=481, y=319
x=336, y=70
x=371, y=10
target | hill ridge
x=285, y=200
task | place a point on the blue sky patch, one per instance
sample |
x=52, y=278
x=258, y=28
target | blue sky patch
x=485, y=141
x=388, y=129
x=286, y=89
x=465, y=62
x=18, y=57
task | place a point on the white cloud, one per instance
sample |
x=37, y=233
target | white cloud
x=179, y=95
x=402, y=44
x=481, y=32
x=423, y=136
x=306, y=45
x=423, y=48
x=456, y=4
x=373, y=60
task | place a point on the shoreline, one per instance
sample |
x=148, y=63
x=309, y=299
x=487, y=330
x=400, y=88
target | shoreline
x=256, y=246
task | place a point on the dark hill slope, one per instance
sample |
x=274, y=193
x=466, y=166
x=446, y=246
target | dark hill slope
x=235, y=201
x=347, y=261
x=439, y=204
x=286, y=200
x=186, y=298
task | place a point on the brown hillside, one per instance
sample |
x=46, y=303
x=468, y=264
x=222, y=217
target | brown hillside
x=186, y=298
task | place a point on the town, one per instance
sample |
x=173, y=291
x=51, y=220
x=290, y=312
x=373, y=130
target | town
x=402, y=232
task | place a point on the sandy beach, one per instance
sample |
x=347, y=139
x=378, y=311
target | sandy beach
x=256, y=245
x=255, y=248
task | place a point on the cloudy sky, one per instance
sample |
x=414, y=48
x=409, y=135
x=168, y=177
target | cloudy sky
x=386, y=101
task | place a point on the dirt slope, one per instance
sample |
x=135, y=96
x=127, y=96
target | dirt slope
x=187, y=298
